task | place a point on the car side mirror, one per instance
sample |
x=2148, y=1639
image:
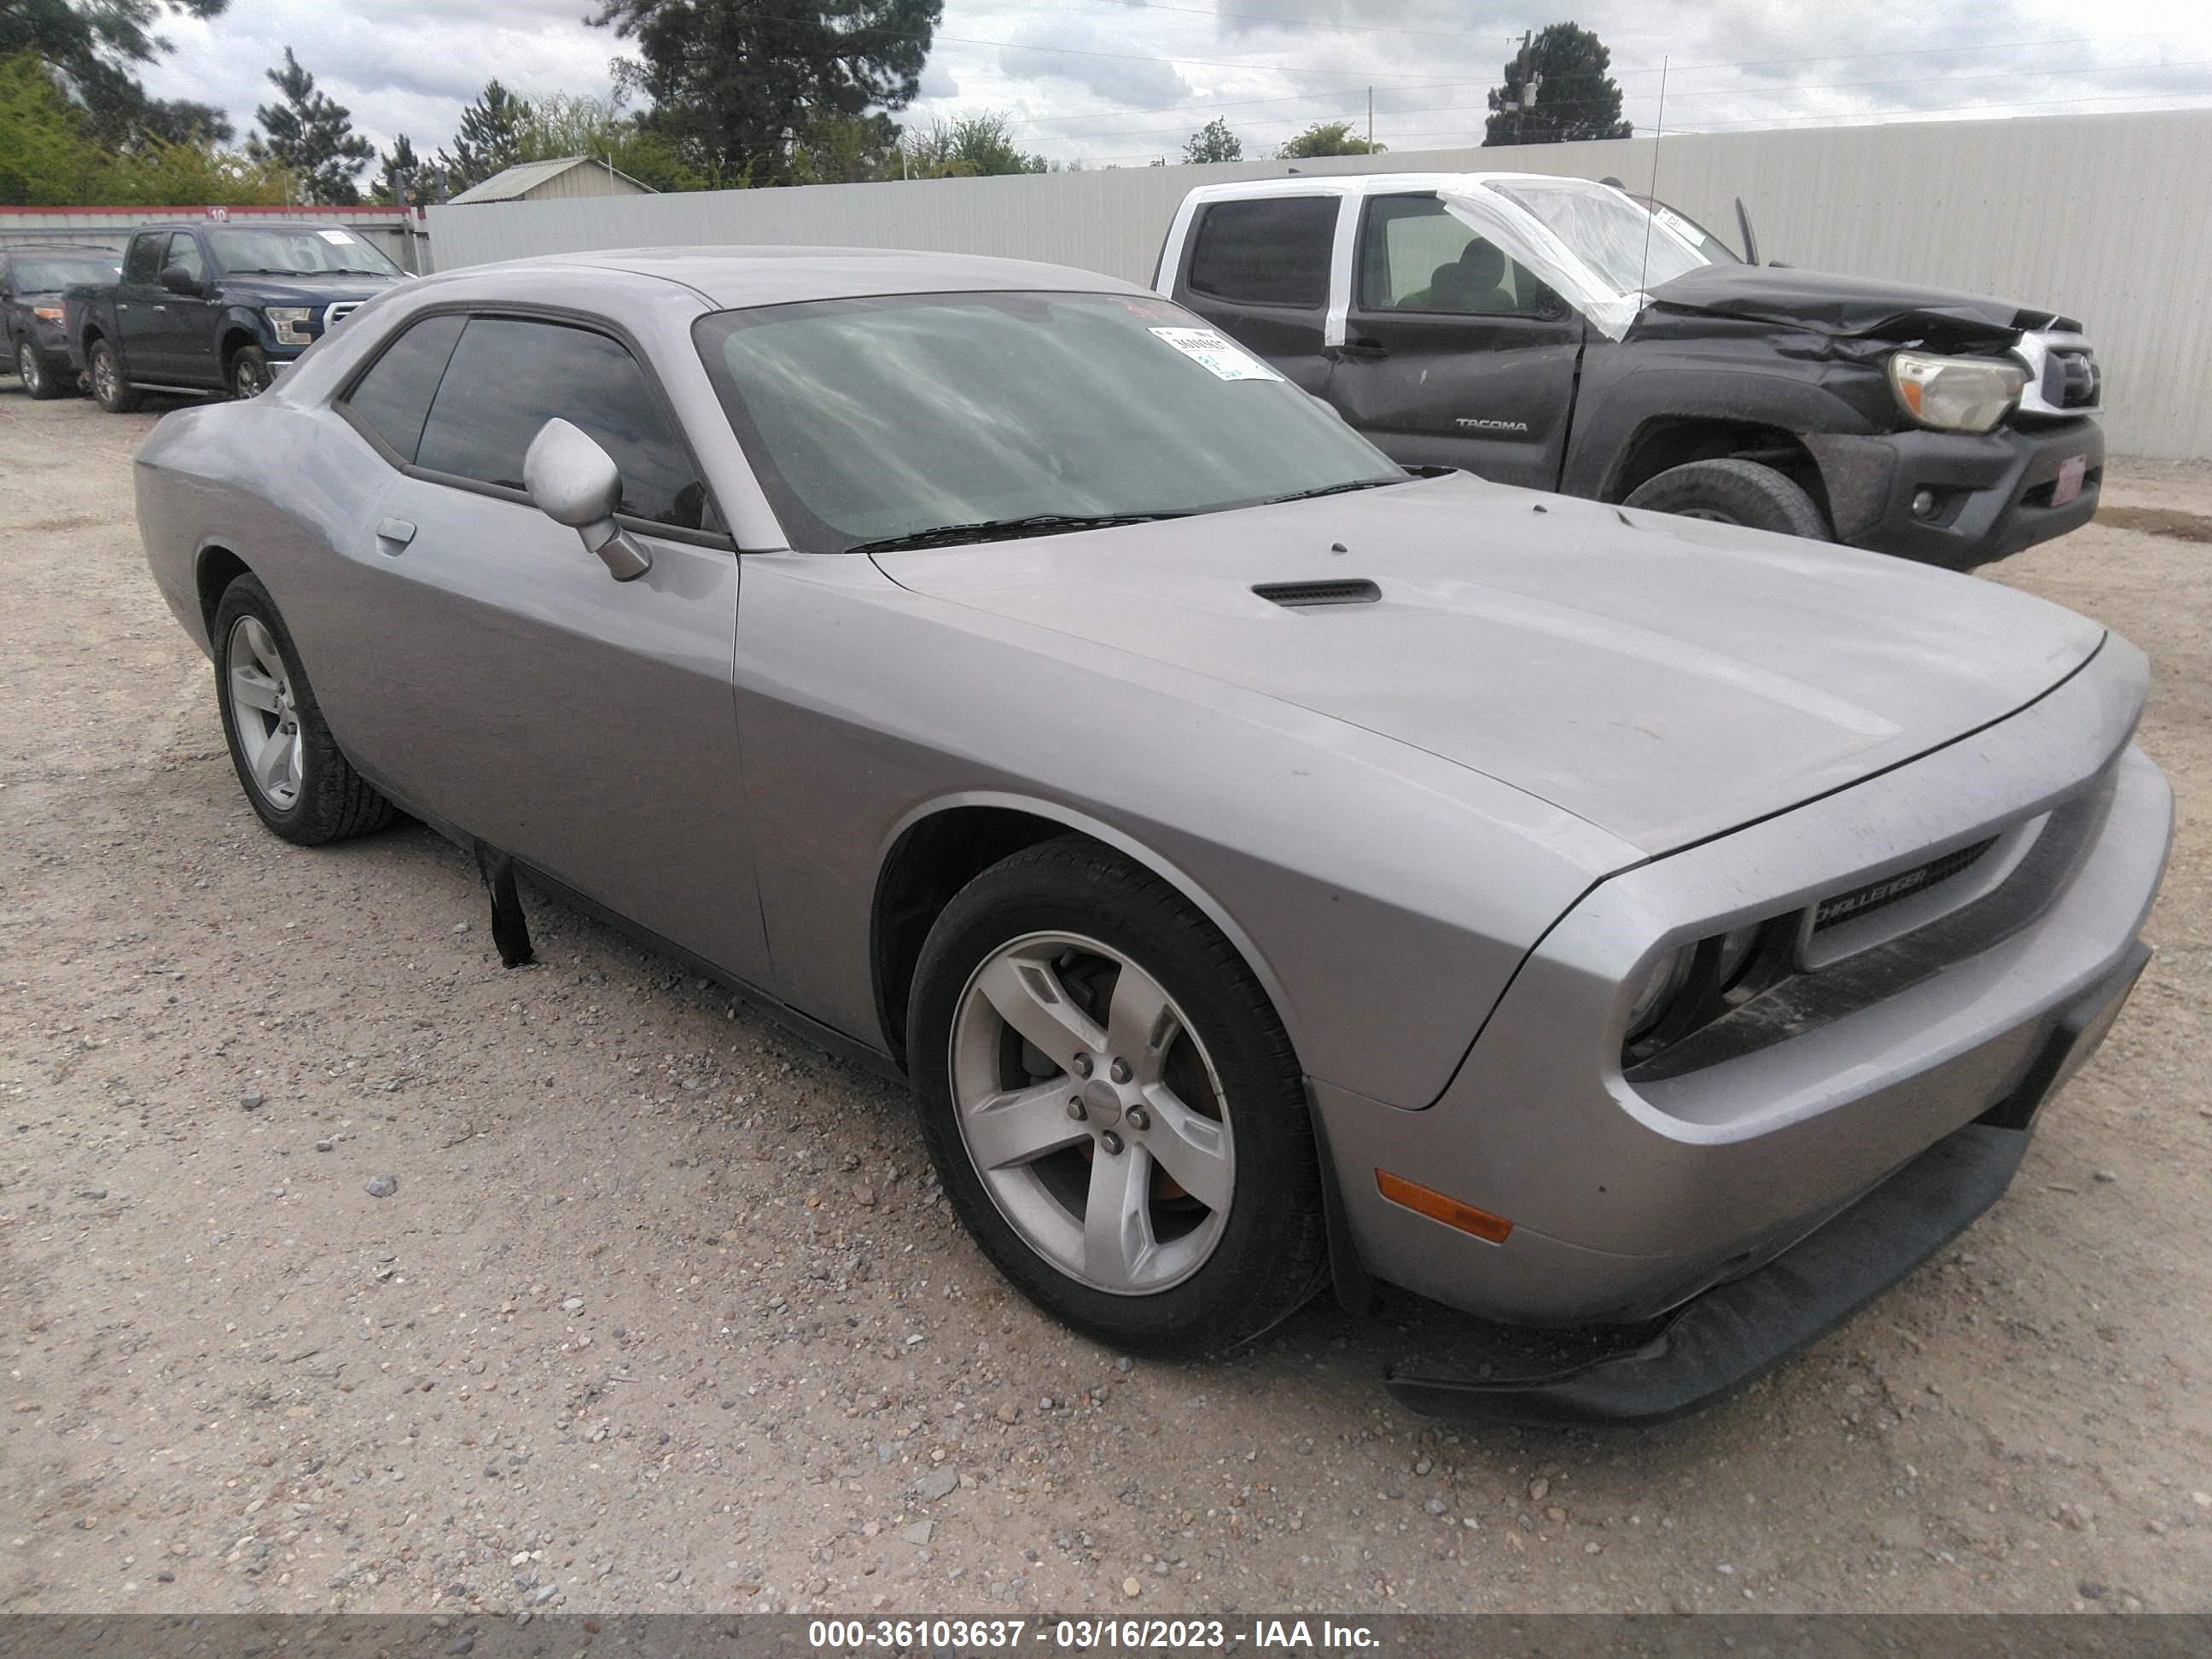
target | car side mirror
x=576, y=483
x=178, y=280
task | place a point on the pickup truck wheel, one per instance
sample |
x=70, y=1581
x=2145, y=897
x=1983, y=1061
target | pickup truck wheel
x=115, y=394
x=249, y=372
x=1113, y=1107
x=1734, y=492
x=38, y=381
x=290, y=766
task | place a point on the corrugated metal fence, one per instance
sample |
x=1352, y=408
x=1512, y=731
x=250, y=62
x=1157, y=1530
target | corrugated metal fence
x=2103, y=217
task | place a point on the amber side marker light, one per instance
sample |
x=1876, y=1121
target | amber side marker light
x=1424, y=1200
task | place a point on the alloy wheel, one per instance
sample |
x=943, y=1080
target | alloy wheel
x=1092, y=1112
x=263, y=711
x=29, y=370
x=103, y=375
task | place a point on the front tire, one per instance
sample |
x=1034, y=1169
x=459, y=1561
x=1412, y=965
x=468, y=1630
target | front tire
x=40, y=380
x=114, y=393
x=249, y=372
x=290, y=765
x=1732, y=491
x=1112, y=1106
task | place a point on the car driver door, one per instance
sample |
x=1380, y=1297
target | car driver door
x=502, y=679
x=1454, y=354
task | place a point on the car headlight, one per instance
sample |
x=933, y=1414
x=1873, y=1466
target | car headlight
x=1954, y=394
x=289, y=324
x=47, y=313
x=1664, y=984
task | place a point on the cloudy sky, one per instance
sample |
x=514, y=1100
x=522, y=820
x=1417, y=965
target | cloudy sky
x=1125, y=81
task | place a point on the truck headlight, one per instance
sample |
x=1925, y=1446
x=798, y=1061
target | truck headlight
x=1954, y=394
x=289, y=324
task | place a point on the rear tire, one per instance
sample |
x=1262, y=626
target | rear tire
x=1179, y=1213
x=1734, y=492
x=290, y=765
x=40, y=378
x=114, y=393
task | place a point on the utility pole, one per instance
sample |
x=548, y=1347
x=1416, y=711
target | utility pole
x=1371, y=120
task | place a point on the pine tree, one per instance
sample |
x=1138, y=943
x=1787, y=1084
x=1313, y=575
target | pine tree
x=487, y=140
x=738, y=85
x=311, y=137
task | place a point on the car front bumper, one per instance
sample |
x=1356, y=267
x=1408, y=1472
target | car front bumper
x=1628, y=1199
x=1993, y=494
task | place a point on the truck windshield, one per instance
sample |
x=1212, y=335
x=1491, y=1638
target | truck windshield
x=324, y=251
x=1629, y=250
x=971, y=416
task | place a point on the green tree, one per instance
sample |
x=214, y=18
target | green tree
x=311, y=137
x=94, y=45
x=970, y=147
x=1574, y=97
x=738, y=85
x=568, y=124
x=846, y=150
x=485, y=143
x=1327, y=138
x=157, y=172
x=1214, y=142
x=403, y=168
x=48, y=157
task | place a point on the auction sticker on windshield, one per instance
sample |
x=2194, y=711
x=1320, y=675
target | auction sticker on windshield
x=1217, y=354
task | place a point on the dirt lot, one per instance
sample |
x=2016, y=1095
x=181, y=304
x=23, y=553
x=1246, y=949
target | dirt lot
x=666, y=1313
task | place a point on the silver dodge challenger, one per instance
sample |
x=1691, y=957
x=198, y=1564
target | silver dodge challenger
x=1273, y=868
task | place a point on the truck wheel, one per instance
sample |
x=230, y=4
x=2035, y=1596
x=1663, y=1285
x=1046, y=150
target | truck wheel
x=1112, y=1106
x=116, y=395
x=1734, y=492
x=249, y=372
x=38, y=381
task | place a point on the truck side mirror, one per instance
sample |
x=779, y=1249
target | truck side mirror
x=178, y=280
x=576, y=483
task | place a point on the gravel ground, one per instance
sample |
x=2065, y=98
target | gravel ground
x=661, y=1309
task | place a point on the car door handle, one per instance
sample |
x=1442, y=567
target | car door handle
x=395, y=534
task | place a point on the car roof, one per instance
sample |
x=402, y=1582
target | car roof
x=751, y=276
x=1373, y=184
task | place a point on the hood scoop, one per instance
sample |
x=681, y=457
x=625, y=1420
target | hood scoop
x=1308, y=596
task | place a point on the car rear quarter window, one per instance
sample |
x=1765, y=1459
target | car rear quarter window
x=185, y=254
x=393, y=399
x=1273, y=250
x=508, y=376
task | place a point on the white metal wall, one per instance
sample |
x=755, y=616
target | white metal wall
x=394, y=232
x=2104, y=218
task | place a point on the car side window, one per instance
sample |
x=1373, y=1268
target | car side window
x=393, y=399
x=1272, y=251
x=1415, y=255
x=509, y=375
x=185, y=252
x=144, y=264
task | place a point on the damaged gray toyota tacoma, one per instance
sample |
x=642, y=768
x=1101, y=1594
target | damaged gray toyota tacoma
x=1271, y=868
x=1564, y=335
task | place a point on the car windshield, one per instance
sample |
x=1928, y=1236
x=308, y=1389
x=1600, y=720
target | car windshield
x=1716, y=252
x=1626, y=248
x=322, y=251
x=47, y=274
x=896, y=418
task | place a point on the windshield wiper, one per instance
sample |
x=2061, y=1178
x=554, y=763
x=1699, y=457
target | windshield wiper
x=1332, y=490
x=1006, y=529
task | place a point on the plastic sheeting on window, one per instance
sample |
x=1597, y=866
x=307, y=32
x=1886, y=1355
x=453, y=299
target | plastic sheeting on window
x=1600, y=252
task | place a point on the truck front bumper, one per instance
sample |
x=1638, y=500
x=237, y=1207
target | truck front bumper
x=1987, y=497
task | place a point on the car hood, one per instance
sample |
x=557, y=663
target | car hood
x=308, y=290
x=1829, y=304
x=1662, y=678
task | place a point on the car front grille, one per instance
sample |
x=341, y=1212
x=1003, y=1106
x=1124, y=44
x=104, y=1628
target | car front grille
x=1863, y=900
x=2063, y=375
x=336, y=313
x=2071, y=380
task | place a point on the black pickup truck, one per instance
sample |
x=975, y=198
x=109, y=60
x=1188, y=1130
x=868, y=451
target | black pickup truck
x=210, y=307
x=1562, y=334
